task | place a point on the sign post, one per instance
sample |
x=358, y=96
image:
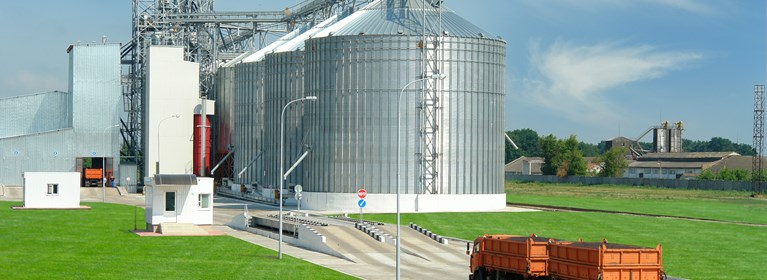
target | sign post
x=298, y=190
x=361, y=193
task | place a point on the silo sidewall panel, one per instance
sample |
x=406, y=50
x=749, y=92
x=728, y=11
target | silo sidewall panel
x=284, y=82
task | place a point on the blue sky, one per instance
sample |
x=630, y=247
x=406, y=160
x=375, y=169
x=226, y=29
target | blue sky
x=593, y=68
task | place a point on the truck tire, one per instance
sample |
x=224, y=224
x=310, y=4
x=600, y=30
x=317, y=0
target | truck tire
x=480, y=274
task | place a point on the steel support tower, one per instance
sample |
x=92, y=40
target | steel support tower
x=430, y=147
x=208, y=37
x=756, y=168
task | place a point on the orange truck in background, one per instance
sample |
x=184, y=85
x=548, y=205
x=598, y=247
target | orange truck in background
x=509, y=257
x=533, y=257
x=92, y=177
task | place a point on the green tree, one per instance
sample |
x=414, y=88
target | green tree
x=575, y=164
x=562, y=157
x=707, y=175
x=588, y=150
x=726, y=174
x=719, y=144
x=614, y=162
x=716, y=144
x=552, y=155
x=528, y=142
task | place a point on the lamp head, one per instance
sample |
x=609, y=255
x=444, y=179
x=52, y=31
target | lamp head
x=311, y=97
x=438, y=76
x=176, y=116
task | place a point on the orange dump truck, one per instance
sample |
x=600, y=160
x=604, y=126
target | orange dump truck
x=92, y=177
x=509, y=256
x=605, y=261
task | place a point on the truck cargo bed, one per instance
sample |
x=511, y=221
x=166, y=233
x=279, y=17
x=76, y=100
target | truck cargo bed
x=606, y=261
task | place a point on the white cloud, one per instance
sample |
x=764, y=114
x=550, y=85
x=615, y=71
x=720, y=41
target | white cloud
x=695, y=7
x=710, y=7
x=26, y=82
x=575, y=80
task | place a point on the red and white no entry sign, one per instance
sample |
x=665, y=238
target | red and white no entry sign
x=362, y=193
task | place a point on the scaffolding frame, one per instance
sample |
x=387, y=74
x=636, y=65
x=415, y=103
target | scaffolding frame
x=208, y=37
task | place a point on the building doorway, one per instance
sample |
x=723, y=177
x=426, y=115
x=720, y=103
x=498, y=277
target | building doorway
x=169, y=215
x=94, y=170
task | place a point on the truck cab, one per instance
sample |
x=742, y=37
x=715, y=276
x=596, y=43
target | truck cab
x=476, y=268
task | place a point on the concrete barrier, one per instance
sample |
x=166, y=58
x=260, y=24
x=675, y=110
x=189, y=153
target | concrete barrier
x=308, y=237
x=428, y=233
x=373, y=232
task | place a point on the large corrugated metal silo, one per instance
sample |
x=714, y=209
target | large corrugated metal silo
x=283, y=83
x=358, y=71
x=248, y=121
x=223, y=125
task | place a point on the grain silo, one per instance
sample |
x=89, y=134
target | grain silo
x=450, y=152
x=284, y=82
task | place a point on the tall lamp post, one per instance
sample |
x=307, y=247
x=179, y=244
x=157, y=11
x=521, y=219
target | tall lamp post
x=282, y=159
x=399, y=120
x=104, y=168
x=158, y=139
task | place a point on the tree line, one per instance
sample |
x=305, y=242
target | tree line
x=564, y=157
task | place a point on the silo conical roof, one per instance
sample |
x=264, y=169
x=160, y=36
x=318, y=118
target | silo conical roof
x=406, y=17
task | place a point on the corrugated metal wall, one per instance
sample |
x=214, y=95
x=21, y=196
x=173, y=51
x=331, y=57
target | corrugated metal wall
x=82, y=122
x=96, y=99
x=224, y=110
x=284, y=82
x=248, y=121
x=30, y=114
x=48, y=151
x=358, y=79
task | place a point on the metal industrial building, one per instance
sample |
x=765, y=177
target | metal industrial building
x=409, y=101
x=447, y=152
x=57, y=131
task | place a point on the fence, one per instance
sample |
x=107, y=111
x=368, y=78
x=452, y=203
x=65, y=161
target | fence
x=661, y=183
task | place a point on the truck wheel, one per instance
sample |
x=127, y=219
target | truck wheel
x=480, y=274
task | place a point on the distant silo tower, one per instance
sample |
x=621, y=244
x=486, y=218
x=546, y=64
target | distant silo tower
x=451, y=150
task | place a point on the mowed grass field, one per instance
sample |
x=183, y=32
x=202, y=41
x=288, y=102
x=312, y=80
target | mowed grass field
x=691, y=249
x=733, y=206
x=97, y=244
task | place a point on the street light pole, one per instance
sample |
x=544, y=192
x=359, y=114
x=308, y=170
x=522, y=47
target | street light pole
x=282, y=159
x=158, y=140
x=399, y=120
x=104, y=168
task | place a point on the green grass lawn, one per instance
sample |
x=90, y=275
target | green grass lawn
x=96, y=244
x=691, y=249
x=718, y=205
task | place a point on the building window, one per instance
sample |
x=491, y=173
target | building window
x=203, y=200
x=53, y=189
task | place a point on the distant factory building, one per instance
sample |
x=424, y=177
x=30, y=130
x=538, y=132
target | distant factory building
x=525, y=166
x=675, y=165
x=66, y=131
x=619, y=142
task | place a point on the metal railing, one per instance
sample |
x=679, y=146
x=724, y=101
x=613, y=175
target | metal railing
x=244, y=196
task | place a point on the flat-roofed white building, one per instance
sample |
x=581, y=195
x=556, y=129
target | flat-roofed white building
x=178, y=199
x=52, y=190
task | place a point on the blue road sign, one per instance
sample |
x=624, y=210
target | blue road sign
x=361, y=203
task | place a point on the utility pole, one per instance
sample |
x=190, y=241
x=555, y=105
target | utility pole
x=756, y=168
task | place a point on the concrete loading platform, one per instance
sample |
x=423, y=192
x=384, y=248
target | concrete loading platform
x=357, y=252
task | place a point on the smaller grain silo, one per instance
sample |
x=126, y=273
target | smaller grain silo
x=450, y=132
